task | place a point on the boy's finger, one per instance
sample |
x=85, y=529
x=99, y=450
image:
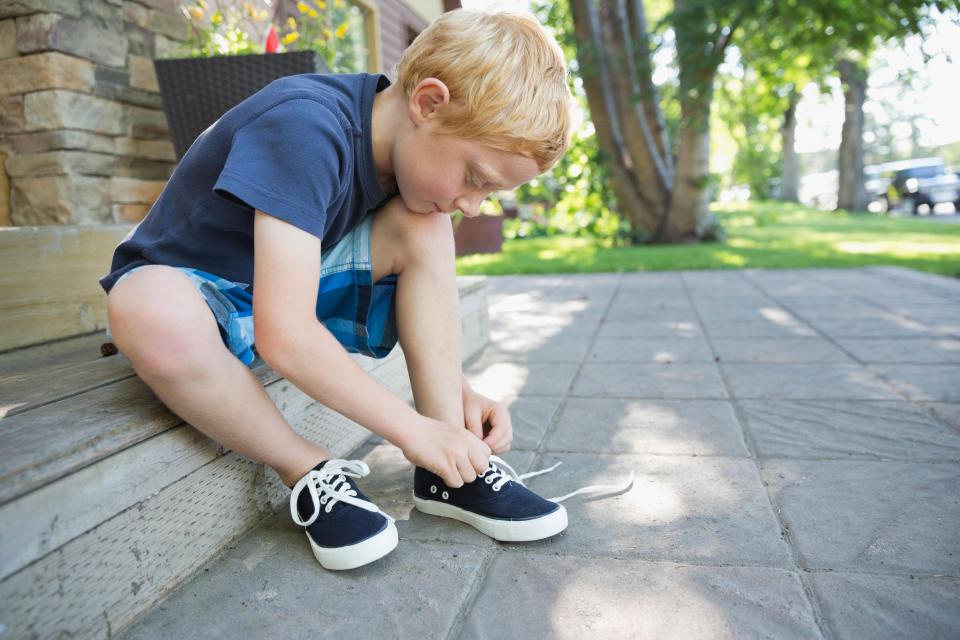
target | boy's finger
x=474, y=423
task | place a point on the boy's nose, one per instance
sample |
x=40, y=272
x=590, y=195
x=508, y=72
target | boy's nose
x=469, y=206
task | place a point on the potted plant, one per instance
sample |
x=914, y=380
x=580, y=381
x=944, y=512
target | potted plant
x=233, y=52
x=482, y=233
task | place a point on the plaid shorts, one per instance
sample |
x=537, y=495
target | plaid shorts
x=357, y=311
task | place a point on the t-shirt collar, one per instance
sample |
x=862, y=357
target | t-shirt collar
x=373, y=84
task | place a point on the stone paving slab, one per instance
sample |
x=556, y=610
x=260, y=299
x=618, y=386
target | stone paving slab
x=783, y=326
x=903, y=350
x=515, y=379
x=940, y=382
x=806, y=381
x=947, y=412
x=270, y=586
x=545, y=346
x=870, y=516
x=680, y=380
x=670, y=427
x=681, y=327
x=795, y=439
x=885, y=606
x=651, y=350
x=704, y=509
x=544, y=596
x=878, y=326
x=779, y=350
x=848, y=429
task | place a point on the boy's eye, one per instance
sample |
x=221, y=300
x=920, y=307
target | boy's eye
x=472, y=181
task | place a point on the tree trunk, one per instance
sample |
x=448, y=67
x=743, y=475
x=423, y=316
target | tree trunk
x=790, y=164
x=641, y=195
x=852, y=194
x=663, y=202
x=691, y=193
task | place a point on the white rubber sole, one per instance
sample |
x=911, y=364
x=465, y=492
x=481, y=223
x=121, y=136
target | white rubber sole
x=356, y=555
x=502, y=530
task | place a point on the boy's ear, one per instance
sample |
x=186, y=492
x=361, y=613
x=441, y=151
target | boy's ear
x=428, y=97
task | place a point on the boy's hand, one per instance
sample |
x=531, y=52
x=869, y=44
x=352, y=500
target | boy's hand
x=488, y=420
x=450, y=451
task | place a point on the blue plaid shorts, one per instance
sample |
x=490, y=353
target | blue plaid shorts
x=358, y=312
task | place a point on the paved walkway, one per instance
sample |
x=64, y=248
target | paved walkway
x=796, y=442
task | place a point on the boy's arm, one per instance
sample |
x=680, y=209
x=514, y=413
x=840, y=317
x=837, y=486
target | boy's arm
x=298, y=347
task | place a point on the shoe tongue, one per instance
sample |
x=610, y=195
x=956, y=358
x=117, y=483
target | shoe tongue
x=321, y=464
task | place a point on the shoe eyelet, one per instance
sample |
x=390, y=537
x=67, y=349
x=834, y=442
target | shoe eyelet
x=433, y=488
x=488, y=480
x=445, y=495
x=323, y=500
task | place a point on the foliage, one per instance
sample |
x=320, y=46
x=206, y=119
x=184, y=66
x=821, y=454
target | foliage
x=225, y=27
x=745, y=107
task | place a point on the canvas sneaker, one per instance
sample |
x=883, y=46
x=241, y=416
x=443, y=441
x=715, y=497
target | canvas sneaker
x=497, y=502
x=344, y=528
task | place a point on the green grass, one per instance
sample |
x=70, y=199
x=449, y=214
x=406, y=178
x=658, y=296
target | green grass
x=769, y=235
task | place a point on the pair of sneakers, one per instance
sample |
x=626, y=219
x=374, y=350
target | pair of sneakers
x=346, y=530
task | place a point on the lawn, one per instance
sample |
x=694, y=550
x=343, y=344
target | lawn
x=769, y=235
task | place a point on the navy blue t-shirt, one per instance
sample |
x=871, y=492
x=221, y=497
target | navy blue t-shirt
x=300, y=150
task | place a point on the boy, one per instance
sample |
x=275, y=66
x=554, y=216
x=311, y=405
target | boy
x=329, y=196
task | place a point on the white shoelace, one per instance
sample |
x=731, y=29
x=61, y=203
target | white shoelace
x=328, y=485
x=501, y=473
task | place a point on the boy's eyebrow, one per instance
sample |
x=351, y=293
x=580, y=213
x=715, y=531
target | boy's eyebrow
x=488, y=175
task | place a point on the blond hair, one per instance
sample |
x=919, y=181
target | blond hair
x=507, y=79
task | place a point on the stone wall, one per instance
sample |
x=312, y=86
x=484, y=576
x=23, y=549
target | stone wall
x=83, y=138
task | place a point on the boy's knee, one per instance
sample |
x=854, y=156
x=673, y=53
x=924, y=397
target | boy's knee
x=165, y=331
x=423, y=236
x=429, y=237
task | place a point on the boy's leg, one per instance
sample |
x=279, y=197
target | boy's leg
x=161, y=323
x=420, y=248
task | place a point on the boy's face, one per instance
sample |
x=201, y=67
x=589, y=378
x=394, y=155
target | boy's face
x=440, y=173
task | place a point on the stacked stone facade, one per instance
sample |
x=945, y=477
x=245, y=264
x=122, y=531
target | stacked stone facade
x=83, y=137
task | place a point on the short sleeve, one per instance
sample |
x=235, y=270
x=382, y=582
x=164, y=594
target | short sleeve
x=287, y=162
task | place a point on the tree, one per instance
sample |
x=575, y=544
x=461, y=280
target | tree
x=783, y=60
x=854, y=29
x=664, y=196
x=829, y=36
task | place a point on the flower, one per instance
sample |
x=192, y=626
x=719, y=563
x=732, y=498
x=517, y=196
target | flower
x=238, y=27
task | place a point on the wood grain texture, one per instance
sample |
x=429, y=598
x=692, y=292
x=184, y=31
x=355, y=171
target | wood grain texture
x=49, y=285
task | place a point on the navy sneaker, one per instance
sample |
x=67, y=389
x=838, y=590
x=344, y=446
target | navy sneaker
x=344, y=528
x=496, y=503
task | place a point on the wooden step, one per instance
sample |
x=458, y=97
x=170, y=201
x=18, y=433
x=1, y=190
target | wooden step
x=108, y=501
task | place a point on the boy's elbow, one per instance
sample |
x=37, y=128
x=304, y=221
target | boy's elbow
x=275, y=342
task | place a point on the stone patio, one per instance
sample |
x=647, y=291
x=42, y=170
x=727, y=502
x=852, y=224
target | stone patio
x=795, y=439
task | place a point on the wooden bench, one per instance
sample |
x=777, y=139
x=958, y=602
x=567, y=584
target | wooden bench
x=108, y=500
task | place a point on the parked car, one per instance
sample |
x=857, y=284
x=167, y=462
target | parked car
x=876, y=181
x=924, y=181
